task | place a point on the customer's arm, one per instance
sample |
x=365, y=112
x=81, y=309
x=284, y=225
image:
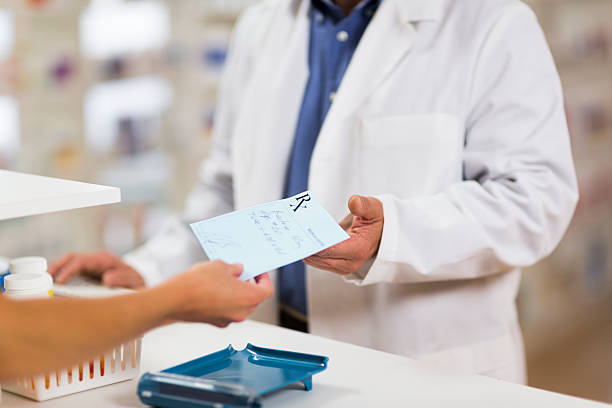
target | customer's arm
x=41, y=335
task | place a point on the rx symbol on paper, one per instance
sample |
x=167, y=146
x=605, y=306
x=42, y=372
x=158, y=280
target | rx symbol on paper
x=301, y=200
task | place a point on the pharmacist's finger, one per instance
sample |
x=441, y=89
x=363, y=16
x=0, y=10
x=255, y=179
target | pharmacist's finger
x=339, y=266
x=320, y=263
x=59, y=263
x=347, y=250
x=346, y=222
x=73, y=267
x=90, y=264
x=126, y=278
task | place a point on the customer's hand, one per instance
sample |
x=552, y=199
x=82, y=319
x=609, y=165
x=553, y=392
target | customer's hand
x=364, y=225
x=211, y=292
x=109, y=268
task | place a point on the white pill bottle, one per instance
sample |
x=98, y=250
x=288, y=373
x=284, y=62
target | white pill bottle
x=28, y=285
x=29, y=264
x=28, y=279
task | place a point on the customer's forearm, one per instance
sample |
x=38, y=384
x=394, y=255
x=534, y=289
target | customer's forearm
x=41, y=335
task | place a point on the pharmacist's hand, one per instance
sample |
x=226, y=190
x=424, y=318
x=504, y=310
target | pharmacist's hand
x=211, y=292
x=364, y=225
x=109, y=268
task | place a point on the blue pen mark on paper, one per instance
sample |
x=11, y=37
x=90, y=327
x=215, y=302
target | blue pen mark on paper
x=267, y=236
x=218, y=241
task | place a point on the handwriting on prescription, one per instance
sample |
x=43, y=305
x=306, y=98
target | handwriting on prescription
x=279, y=230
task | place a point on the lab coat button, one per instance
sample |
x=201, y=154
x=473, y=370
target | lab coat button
x=342, y=36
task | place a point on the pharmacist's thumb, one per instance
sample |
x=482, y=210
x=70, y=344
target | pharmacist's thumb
x=368, y=208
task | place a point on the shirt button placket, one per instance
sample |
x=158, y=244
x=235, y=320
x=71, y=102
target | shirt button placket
x=342, y=36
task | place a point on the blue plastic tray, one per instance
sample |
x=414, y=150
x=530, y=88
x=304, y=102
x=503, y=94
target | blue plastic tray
x=229, y=378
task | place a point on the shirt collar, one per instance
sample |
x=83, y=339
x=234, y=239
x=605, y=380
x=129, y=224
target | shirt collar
x=408, y=11
x=330, y=9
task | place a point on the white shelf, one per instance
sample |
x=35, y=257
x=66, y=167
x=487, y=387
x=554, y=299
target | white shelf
x=26, y=194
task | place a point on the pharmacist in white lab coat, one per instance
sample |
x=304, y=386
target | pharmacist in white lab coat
x=448, y=121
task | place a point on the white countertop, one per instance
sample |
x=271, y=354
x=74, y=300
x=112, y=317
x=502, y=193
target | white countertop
x=355, y=377
x=28, y=194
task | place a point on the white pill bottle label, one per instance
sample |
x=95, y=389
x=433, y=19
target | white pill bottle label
x=28, y=285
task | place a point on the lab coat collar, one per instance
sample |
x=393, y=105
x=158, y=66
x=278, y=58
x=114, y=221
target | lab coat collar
x=412, y=11
x=387, y=40
x=408, y=11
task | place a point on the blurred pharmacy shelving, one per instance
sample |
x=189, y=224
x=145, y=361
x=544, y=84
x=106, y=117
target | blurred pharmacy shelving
x=566, y=300
x=89, y=92
x=108, y=91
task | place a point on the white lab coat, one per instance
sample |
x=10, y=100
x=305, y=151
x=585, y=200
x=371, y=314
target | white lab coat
x=451, y=113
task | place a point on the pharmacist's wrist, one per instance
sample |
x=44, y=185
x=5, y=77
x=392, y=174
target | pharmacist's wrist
x=144, y=266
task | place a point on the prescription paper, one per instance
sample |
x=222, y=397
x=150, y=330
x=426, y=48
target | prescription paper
x=267, y=236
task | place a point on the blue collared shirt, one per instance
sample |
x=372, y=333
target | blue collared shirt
x=333, y=40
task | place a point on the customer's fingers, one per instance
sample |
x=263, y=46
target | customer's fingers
x=264, y=282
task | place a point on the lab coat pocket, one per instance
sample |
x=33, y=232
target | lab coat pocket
x=410, y=155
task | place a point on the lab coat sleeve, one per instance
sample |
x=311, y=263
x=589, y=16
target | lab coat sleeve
x=174, y=247
x=519, y=187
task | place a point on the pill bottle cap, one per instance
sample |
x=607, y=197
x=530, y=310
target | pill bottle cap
x=28, y=264
x=28, y=281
